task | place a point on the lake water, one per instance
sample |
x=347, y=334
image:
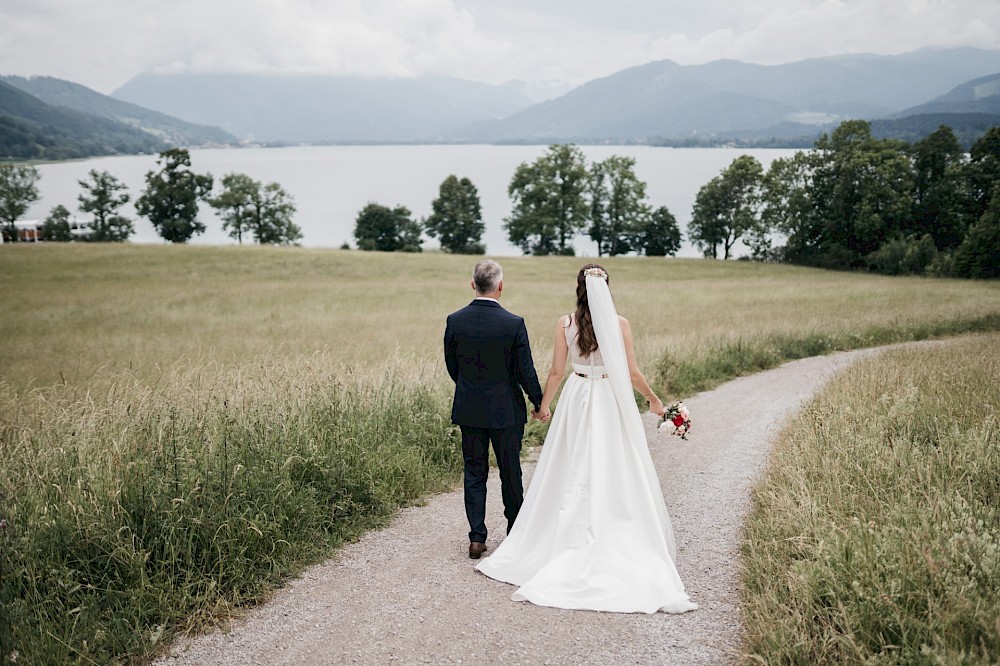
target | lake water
x=331, y=184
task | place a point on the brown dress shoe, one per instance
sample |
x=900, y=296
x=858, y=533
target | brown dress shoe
x=476, y=550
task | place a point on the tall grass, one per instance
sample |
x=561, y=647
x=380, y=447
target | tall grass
x=710, y=365
x=874, y=536
x=135, y=513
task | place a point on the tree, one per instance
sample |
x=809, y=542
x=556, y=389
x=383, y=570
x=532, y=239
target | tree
x=728, y=207
x=17, y=192
x=705, y=230
x=457, y=218
x=549, y=205
x=235, y=204
x=246, y=206
x=409, y=233
x=387, y=229
x=272, y=222
x=861, y=190
x=170, y=200
x=618, y=208
x=979, y=254
x=983, y=173
x=56, y=226
x=659, y=236
x=788, y=210
x=939, y=189
x=102, y=196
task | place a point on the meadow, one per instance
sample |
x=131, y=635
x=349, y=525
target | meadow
x=181, y=428
x=79, y=315
x=874, y=536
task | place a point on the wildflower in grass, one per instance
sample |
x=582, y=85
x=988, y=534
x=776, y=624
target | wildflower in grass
x=676, y=420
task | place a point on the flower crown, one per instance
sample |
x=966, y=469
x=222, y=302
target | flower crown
x=595, y=272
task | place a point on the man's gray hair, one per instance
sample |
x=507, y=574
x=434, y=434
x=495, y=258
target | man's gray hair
x=486, y=276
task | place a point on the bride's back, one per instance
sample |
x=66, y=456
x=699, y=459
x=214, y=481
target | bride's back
x=575, y=357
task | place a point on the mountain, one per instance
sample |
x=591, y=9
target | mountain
x=981, y=95
x=312, y=108
x=726, y=97
x=968, y=109
x=32, y=129
x=69, y=95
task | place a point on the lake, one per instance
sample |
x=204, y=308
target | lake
x=331, y=184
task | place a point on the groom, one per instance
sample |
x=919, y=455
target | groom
x=488, y=357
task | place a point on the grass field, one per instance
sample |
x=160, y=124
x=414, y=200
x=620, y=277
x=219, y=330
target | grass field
x=71, y=311
x=874, y=537
x=182, y=427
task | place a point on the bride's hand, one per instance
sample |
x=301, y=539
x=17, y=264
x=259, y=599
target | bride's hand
x=656, y=406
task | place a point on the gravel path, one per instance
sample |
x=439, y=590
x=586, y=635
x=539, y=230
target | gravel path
x=408, y=594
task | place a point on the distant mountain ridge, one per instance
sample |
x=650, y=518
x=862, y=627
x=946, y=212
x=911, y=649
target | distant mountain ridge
x=32, y=129
x=66, y=94
x=725, y=99
x=661, y=103
x=969, y=109
x=314, y=108
x=981, y=95
x=729, y=98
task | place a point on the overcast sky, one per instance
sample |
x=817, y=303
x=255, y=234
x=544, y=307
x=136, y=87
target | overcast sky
x=104, y=43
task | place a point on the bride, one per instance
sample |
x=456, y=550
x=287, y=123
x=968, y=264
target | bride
x=593, y=532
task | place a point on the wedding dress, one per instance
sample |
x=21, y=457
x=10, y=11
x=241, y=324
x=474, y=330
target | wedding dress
x=593, y=532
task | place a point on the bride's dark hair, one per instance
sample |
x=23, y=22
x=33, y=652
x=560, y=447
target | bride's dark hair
x=586, y=339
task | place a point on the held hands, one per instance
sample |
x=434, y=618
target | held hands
x=543, y=415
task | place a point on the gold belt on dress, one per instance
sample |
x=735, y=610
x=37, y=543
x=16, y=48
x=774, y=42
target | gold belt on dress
x=585, y=376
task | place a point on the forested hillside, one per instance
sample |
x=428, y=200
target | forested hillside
x=32, y=129
x=968, y=127
x=73, y=96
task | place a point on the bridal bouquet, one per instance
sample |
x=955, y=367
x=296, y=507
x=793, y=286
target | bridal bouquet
x=676, y=417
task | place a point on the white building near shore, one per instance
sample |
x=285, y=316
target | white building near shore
x=30, y=231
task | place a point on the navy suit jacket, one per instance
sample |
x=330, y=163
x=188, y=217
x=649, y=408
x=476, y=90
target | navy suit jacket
x=488, y=356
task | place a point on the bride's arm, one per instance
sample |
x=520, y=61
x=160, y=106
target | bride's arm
x=639, y=382
x=559, y=352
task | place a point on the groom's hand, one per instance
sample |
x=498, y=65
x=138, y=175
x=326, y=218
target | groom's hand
x=542, y=415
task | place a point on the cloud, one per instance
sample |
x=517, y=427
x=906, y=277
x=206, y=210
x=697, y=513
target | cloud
x=789, y=31
x=578, y=40
x=103, y=43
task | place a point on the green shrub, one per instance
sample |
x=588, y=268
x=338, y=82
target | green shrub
x=904, y=256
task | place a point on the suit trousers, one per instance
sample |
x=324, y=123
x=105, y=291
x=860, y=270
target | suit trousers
x=475, y=450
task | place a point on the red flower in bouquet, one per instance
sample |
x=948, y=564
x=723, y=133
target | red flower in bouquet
x=676, y=416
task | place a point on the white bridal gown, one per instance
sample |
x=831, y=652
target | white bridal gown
x=593, y=532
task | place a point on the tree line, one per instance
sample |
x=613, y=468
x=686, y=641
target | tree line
x=456, y=221
x=852, y=202
x=858, y=202
x=556, y=198
x=170, y=201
